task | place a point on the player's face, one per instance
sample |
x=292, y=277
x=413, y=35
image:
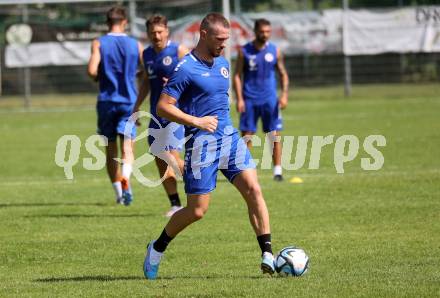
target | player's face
x=262, y=33
x=216, y=40
x=158, y=36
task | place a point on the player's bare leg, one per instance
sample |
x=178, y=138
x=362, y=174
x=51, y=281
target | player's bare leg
x=127, y=150
x=127, y=156
x=111, y=164
x=170, y=182
x=247, y=183
x=274, y=138
x=247, y=136
x=276, y=155
x=113, y=170
x=196, y=208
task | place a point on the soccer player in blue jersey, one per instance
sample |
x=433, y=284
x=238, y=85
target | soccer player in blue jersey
x=199, y=85
x=257, y=93
x=160, y=59
x=113, y=63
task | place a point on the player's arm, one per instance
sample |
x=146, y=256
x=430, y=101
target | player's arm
x=141, y=50
x=284, y=77
x=144, y=83
x=238, y=84
x=167, y=109
x=144, y=89
x=95, y=59
x=182, y=51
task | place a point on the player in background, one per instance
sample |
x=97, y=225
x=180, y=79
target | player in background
x=200, y=85
x=256, y=93
x=160, y=59
x=113, y=63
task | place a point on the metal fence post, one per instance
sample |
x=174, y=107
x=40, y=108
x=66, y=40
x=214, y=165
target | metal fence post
x=347, y=60
x=237, y=7
x=132, y=14
x=1, y=77
x=26, y=70
x=227, y=15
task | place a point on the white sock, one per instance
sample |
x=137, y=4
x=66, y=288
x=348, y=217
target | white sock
x=268, y=255
x=127, y=168
x=277, y=170
x=118, y=189
x=155, y=256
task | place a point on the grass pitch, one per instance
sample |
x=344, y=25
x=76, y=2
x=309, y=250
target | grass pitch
x=368, y=233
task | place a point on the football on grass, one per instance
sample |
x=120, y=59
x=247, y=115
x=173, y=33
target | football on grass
x=291, y=261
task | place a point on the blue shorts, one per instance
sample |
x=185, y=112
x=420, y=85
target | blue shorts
x=112, y=119
x=269, y=112
x=166, y=137
x=208, y=154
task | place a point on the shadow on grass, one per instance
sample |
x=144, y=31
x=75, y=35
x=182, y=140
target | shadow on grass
x=88, y=278
x=50, y=204
x=124, y=278
x=212, y=277
x=87, y=215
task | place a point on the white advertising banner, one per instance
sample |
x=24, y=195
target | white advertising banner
x=406, y=30
x=47, y=53
x=357, y=32
x=309, y=32
x=34, y=45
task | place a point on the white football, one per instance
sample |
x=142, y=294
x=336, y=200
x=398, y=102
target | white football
x=291, y=261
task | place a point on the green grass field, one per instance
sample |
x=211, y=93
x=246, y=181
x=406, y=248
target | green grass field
x=368, y=233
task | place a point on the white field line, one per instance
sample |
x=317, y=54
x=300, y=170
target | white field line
x=357, y=115
x=294, y=116
x=287, y=174
x=47, y=110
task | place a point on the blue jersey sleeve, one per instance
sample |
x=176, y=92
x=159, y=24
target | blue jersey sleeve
x=178, y=81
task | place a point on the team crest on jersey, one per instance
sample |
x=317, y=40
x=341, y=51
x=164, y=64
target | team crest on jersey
x=224, y=71
x=167, y=60
x=268, y=57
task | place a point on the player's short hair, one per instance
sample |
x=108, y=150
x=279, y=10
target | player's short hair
x=116, y=15
x=156, y=19
x=260, y=22
x=212, y=19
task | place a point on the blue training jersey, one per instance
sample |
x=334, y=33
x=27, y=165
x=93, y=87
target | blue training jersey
x=202, y=90
x=259, y=80
x=117, y=69
x=158, y=66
